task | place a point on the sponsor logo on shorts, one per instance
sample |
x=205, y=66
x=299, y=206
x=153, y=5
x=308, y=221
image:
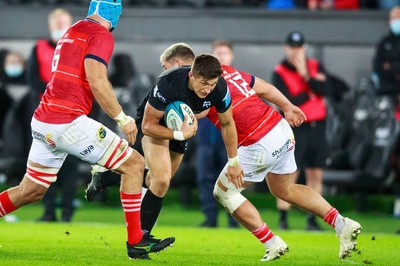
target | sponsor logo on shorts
x=101, y=133
x=38, y=136
x=88, y=150
x=287, y=146
x=50, y=141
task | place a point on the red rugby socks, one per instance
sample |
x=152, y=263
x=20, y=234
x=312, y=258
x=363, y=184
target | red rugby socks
x=6, y=205
x=131, y=205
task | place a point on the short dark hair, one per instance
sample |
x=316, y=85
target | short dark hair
x=206, y=66
x=181, y=50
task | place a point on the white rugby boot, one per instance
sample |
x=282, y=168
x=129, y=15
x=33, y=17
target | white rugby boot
x=348, y=237
x=276, y=250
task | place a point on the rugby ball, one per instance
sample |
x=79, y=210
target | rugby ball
x=175, y=114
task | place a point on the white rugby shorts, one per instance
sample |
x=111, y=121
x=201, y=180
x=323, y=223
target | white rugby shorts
x=84, y=138
x=273, y=153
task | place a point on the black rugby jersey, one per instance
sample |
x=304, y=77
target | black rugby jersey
x=173, y=85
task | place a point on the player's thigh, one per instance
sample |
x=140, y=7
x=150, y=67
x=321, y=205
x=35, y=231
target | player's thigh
x=93, y=142
x=268, y=154
x=176, y=160
x=157, y=155
x=279, y=184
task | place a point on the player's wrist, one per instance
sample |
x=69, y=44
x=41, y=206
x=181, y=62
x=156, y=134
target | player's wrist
x=122, y=119
x=178, y=135
x=233, y=161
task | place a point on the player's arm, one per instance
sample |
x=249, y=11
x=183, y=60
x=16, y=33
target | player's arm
x=229, y=135
x=269, y=92
x=152, y=128
x=96, y=73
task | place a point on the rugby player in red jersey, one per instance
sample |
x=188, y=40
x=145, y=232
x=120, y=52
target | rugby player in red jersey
x=60, y=125
x=266, y=152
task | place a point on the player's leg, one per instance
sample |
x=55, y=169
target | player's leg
x=302, y=146
x=314, y=177
x=245, y=213
x=102, y=178
x=28, y=191
x=162, y=164
x=283, y=207
x=38, y=176
x=309, y=200
x=103, y=147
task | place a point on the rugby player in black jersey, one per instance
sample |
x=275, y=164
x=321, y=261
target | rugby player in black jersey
x=201, y=87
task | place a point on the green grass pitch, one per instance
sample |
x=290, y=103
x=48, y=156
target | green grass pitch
x=97, y=237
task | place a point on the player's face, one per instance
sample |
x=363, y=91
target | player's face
x=224, y=54
x=201, y=86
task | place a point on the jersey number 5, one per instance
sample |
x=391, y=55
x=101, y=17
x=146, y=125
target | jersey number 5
x=56, y=58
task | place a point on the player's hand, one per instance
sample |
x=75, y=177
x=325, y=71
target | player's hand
x=295, y=116
x=189, y=130
x=130, y=130
x=235, y=175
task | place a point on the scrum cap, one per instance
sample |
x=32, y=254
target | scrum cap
x=109, y=10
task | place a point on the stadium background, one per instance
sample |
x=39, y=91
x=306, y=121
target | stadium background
x=344, y=41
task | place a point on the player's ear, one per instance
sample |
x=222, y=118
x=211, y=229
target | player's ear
x=190, y=74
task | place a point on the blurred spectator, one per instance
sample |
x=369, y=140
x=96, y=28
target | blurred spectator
x=123, y=72
x=12, y=71
x=222, y=3
x=333, y=4
x=39, y=70
x=386, y=71
x=39, y=74
x=280, y=4
x=223, y=51
x=126, y=75
x=304, y=82
x=14, y=68
x=211, y=153
x=386, y=63
x=388, y=4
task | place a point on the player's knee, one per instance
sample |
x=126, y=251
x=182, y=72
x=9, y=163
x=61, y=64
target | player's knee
x=161, y=184
x=230, y=199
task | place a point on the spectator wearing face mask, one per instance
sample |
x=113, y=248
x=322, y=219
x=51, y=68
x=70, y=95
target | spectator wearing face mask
x=12, y=71
x=39, y=69
x=14, y=67
x=386, y=64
